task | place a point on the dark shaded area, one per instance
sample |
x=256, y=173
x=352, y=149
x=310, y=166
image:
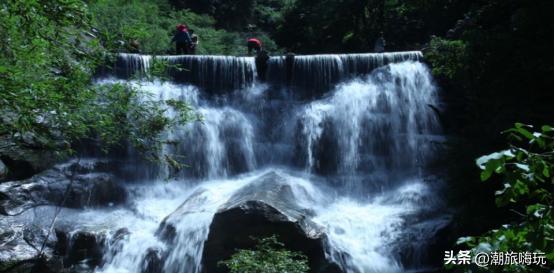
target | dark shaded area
x=353, y=26
x=503, y=77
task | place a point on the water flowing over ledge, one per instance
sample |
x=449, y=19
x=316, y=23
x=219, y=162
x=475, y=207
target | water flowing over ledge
x=358, y=152
x=352, y=160
x=220, y=73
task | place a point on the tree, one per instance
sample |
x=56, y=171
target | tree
x=48, y=101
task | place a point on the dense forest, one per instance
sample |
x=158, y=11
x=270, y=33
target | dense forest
x=491, y=59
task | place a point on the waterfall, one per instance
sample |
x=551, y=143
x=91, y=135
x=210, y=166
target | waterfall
x=320, y=72
x=219, y=73
x=350, y=134
x=214, y=73
x=377, y=124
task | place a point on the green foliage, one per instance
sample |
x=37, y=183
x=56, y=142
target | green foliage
x=447, y=57
x=148, y=27
x=527, y=191
x=125, y=113
x=239, y=15
x=268, y=256
x=46, y=59
x=47, y=99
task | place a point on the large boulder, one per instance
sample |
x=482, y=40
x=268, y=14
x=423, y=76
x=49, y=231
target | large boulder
x=88, y=188
x=85, y=249
x=263, y=208
x=65, y=248
x=23, y=242
x=24, y=232
x=237, y=227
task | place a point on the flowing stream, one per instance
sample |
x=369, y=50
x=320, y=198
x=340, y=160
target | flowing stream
x=351, y=134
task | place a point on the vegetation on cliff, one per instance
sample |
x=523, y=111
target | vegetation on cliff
x=48, y=56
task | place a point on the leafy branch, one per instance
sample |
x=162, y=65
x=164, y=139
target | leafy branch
x=527, y=191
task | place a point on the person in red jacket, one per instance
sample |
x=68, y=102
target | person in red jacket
x=182, y=39
x=253, y=43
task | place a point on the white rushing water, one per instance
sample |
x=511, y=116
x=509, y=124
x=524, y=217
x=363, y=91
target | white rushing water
x=366, y=111
x=353, y=155
x=364, y=230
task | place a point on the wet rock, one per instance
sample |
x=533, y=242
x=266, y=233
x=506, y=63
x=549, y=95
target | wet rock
x=64, y=251
x=23, y=242
x=20, y=246
x=116, y=241
x=62, y=243
x=167, y=231
x=265, y=207
x=425, y=242
x=258, y=219
x=259, y=210
x=49, y=188
x=153, y=261
x=23, y=231
x=104, y=191
x=119, y=235
x=85, y=248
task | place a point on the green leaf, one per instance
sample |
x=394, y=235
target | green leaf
x=546, y=129
x=525, y=133
x=520, y=188
x=484, y=175
x=546, y=171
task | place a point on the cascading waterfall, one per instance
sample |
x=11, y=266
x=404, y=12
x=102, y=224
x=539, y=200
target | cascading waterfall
x=351, y=134
x=371, y=119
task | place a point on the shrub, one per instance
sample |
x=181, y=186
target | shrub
x=447, y=57
x=268, y=256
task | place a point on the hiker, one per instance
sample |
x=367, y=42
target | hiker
x=379, y=45
x=194, y=41
x=182, y=39
x=261, y=62
x=254, y=44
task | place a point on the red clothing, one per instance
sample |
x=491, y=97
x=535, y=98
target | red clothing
x=256, y=41
x=181, y=27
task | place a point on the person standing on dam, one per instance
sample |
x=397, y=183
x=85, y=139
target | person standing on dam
x=182, y=39
x=261, y=59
